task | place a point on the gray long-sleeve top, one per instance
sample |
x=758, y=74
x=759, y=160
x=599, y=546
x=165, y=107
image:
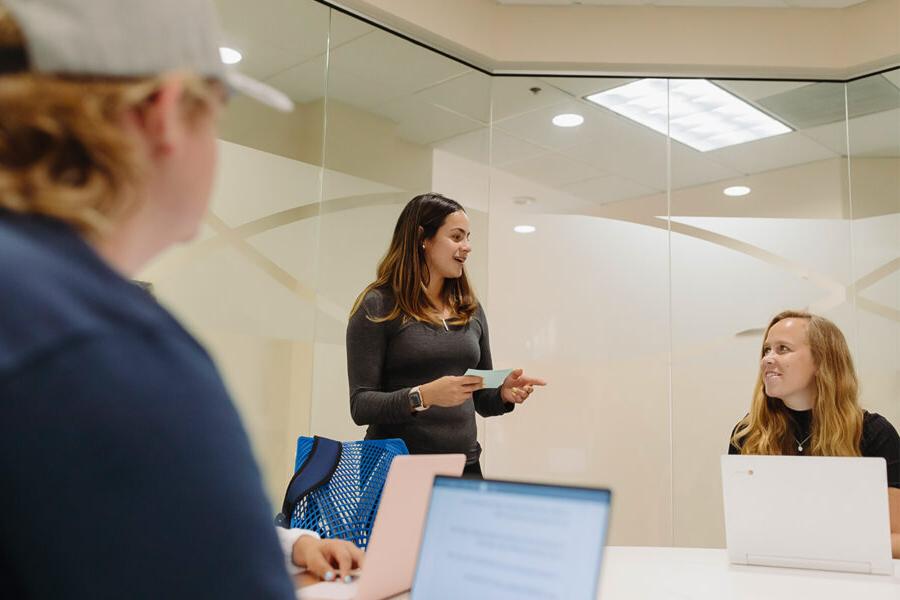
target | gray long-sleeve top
x=385, y=360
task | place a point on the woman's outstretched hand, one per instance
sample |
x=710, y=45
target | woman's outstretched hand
x=517, y=387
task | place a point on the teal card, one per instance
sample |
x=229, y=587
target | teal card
x=492, y=379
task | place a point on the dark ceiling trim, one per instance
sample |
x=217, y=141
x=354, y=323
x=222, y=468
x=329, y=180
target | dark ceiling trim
x=383, y=27
x=361, y=17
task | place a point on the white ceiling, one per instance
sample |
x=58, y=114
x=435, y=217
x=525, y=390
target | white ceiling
x=433, y=100
x=705, y=3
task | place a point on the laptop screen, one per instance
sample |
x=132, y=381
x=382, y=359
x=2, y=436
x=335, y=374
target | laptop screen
x=499, y=539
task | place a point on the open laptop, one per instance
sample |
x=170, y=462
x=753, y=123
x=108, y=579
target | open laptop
x=391, y=553
x=809, y=512
x=508, y=540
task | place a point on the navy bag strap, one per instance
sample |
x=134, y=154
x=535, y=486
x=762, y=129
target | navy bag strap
x=315, y=471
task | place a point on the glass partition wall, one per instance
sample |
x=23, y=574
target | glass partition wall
x=247, y=286
x=606, y=253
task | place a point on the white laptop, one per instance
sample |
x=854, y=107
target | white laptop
x=807, y=512
x=507, y=540
x=391, y=553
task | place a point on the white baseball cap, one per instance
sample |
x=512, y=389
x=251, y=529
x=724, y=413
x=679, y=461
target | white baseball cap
x=130, y=38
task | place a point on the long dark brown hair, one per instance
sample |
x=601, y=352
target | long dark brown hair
x=404, y=272
x=837, y=418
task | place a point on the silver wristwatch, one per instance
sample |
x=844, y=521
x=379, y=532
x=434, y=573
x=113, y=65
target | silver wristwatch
x=415, y=400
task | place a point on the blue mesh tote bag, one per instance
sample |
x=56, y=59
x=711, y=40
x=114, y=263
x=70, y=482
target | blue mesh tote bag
x=337, y=486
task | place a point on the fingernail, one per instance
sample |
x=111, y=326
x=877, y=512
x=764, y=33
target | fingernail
x=329, y=576
x=348, y=579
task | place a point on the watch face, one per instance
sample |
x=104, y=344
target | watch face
x=415, y=400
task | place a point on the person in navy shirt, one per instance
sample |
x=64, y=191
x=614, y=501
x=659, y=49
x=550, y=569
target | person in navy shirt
x=126, y=472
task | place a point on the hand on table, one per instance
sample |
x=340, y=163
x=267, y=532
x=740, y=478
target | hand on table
x=327, y=559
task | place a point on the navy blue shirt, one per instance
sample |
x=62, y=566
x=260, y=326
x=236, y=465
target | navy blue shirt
x=124, y=467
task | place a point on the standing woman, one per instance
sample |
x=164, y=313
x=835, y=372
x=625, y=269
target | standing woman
x=415, y=330
x=806, y=403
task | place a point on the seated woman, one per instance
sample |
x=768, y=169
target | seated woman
x=806, y=403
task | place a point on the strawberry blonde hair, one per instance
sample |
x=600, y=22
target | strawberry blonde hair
x=837, y=418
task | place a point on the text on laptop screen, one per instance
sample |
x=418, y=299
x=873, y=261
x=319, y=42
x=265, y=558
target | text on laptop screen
x=493, y=539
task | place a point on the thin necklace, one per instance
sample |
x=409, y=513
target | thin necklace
x=443, y=318
x=799, y=443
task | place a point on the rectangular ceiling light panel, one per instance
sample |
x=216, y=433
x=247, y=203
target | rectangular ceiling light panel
x=693, y=111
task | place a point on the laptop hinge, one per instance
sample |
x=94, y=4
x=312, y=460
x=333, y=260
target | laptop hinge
x=797, y=562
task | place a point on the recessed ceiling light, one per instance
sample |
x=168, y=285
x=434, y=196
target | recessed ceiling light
x=736, y=190
x=524, y=200
x=568, y=120
x=524, y=228
x=693, y=111
x=230, y=56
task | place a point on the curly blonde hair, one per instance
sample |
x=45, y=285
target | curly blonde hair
x=63, y=152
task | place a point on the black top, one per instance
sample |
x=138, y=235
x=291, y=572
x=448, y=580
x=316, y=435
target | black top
x=879, y=438
x=385, y=360
x=124, y=467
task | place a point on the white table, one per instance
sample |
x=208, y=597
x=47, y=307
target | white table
x=635, y=573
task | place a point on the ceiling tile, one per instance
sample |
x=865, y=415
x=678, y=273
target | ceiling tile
x=537, y=126
x=872, y=135
x=875, y=135
x=345, y=28
x=468, y=95
x=771, y=153
x=833, y=136
x=606, y=189
x=627, y=149
x=513, y=96
x=756, y=90
x=304, y=82
x=552, y=169
x=690, y=168
x=424, y=123
x=893, y=77
x=383, y=62
x=496, y=148
x=298, y=28
x=579, y=87
x=262, y=60
x=474, y=145
x=506, y=149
